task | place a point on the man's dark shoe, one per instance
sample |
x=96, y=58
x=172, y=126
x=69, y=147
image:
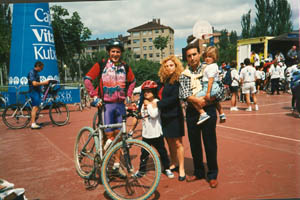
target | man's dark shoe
x=193, y=178
x=175, y=169
x=213, y=183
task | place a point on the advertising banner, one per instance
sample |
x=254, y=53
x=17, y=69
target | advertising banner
x=32, y=40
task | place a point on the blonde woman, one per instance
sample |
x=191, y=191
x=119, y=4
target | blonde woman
x=171, y=113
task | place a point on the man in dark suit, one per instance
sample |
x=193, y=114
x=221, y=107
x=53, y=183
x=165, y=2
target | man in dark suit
x=206, y=130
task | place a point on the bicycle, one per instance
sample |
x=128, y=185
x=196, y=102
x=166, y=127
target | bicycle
x=3, y=103
x=17, y=116
x=90, y=157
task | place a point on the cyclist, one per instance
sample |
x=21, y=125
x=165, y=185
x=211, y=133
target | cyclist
x=35, y=91
x=116, y=83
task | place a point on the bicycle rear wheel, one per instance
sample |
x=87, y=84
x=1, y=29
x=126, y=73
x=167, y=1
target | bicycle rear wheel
x=84, y=153
x=15, y=117
x=59, y=113
x=131, y=186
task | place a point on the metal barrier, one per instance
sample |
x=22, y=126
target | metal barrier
x=68, y=93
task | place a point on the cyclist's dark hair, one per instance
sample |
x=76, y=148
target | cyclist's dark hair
x=247, y=61
x=38, y=64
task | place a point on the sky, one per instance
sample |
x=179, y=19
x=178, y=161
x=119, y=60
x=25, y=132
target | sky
x=111, y=18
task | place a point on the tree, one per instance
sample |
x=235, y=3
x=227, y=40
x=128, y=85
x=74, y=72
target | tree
x=272, y=18
x=227, y=46
x=281, y=17
x=69, y=36
x=144, y=70
x=246, y=25
x=161, y=43
x=263, y=19
x=5, y=35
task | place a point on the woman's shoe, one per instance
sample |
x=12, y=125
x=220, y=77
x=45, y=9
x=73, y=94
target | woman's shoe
x=181, y=178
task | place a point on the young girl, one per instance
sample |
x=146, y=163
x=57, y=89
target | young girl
x=210, y=88
x=152, y=130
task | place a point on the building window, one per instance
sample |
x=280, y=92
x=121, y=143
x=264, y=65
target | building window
x=150, y=55
x=150, y=47
x=150, y=39
x=144, y=40
x=162, y=30
x=137, y=56
x=145, y=56
x=135, y=34
x=144, y=47
x=157, y=55
x=145, y=32
x=136, y=41
x=156, y=31
x=135, y=49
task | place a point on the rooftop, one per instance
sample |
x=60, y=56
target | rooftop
x=154, y=24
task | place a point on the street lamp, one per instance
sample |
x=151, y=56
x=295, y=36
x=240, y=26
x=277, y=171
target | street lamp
x=65, y=67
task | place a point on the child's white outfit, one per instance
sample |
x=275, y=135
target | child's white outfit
x=152, y=135
x=210, y=71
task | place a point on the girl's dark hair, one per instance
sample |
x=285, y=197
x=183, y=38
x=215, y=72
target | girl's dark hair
x=154, y=92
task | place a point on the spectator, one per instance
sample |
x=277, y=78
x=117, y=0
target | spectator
x=275, y=73
x=279, y=57
x=234, y=87
x=292, y=56
x=35, y=91
x=248, y=79
x=260, y=77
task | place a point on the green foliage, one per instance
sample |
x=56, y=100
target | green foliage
x=144, y=70
x=161, y=43
x=263, y=18
x=281, y=17
x=227, y=46
x=69, y=36
x=272, y=18
x=246, y=25
x=5, y=35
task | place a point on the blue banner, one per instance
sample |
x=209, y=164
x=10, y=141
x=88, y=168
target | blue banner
x=32, y=40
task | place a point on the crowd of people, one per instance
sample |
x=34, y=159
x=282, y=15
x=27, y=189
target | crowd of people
x=196, y=90
x=268, y=75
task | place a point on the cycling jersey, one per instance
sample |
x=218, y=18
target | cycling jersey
x=112, y=82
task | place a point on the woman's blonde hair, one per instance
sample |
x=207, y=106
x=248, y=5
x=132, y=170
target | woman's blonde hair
x=212, y=52
x=162, y=71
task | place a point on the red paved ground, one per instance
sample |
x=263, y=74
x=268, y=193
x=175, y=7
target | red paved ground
x=258, y=154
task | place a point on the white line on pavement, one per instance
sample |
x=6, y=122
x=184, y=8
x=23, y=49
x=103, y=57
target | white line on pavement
x=258, y=133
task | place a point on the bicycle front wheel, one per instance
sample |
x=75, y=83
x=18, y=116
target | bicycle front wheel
x=142, y=178
x=59, y=113
x=15, y=117
x=85, y=152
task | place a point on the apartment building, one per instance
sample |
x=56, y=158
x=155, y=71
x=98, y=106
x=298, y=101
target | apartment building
x=98, y=45
x=141, y=39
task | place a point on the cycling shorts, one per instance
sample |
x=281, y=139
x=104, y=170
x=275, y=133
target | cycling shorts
x=35, y=98
x=113, y=113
